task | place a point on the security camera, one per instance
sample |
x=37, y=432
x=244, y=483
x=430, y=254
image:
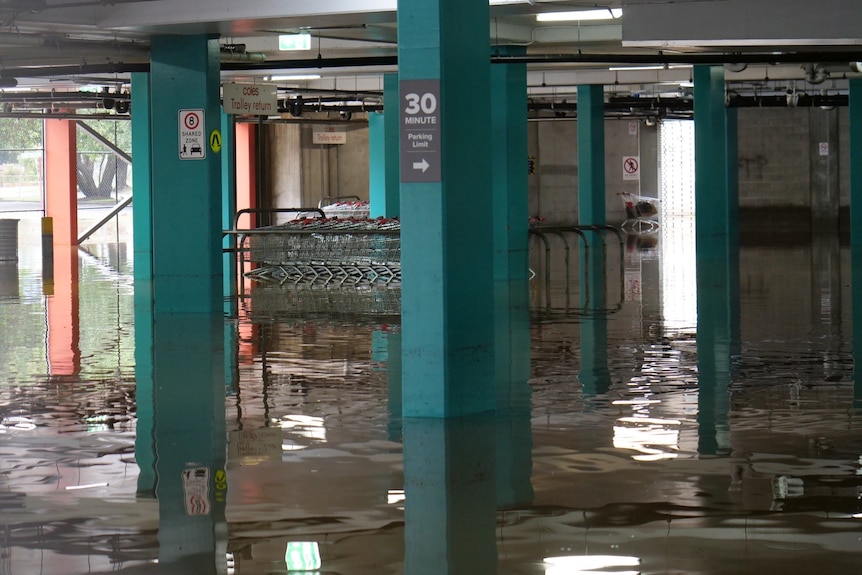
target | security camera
x=345, y=114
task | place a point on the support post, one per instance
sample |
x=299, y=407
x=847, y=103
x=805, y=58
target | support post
x=61, y=180
x=510, y=222
x=856, y=230
x=186, y=174
x=384, y=171
x=446, y=238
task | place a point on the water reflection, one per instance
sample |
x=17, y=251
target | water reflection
x=261, y=444
x=188, y=440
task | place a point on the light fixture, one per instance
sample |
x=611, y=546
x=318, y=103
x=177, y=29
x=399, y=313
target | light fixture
x=580, y=15
x=294, y=77
x=293, y=42
x=649, y=67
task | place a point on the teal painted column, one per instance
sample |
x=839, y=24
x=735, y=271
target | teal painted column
x=186, y=174
x=191, y=441
x=508, y=103
x=142, y=230
x=716, y=209
x=228, y=183
x=591, y=155
x=716, y=195
x=145, y=398
x=446, y=238
x=591, y=192
x=856, y=230
x=450, y=506
x=384, y=170
x=142, y=189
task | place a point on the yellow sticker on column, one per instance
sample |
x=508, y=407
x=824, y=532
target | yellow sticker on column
x=215, y=141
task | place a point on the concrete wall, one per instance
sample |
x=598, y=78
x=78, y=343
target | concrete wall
x=782, y=173
x=335, y=170
x=793, y=165
x=554, y=186
x=299, y=173
x=282, y=174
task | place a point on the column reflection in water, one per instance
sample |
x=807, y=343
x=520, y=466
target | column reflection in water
x=594, y=374
x=856, y=283
x=458, y=473
x=717, y=345
x=188, y=431
x=450, y=507
x=514, y=439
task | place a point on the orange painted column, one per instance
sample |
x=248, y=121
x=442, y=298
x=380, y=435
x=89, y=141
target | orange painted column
x=61, y=180
x=61, y=205
x=246, y=197
x=246, y=172
x=64, y=318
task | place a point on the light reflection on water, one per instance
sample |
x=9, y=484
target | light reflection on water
x=608, y=464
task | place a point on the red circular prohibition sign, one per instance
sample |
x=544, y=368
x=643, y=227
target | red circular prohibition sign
x=631, y=166
x=192, y=121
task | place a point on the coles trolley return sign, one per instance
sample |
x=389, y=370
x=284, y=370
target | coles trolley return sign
x=193, y=141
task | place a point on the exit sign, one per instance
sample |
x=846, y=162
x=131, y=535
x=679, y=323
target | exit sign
x=288, y=42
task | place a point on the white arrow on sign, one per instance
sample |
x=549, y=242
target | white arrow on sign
x=423, y=165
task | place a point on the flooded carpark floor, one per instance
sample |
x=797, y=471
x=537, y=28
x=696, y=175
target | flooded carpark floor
x=268, y=442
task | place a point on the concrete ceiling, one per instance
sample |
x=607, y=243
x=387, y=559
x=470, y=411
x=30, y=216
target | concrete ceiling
x=95, y=42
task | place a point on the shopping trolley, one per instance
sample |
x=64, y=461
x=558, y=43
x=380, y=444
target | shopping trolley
x=642, y=213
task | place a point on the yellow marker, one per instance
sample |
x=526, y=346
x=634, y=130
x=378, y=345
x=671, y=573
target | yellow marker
x=215, y=141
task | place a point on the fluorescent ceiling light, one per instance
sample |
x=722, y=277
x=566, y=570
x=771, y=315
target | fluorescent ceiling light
x=651, y=67
x=579, y=15
x=294, y=77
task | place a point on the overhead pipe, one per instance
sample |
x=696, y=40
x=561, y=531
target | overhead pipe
x=838, y=57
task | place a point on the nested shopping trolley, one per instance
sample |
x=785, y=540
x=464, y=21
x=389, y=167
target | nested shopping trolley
x=642, y=213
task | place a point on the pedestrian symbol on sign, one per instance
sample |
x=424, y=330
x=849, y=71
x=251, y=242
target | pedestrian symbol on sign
x=192, y=139
x=631, y=168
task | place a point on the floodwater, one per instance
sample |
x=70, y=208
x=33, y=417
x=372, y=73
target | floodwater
x=676, y=429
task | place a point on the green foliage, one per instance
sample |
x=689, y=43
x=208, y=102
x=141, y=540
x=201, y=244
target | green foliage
x=118, y=132
x=20, y=134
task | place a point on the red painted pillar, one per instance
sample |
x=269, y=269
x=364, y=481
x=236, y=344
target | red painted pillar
x=246, y=184
x=246, y=172
x=64, y=318
x=61, y=180
x=61, y=204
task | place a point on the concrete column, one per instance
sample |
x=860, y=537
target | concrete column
x=246, y=172
x=229, y=200
x=61, y=180
x=450, y=507
x=856, y=229
x=716, y=198
x=591, y=155
x=189, y=426
x=508, y=102
x=64, y=317
x=142, y=183
x=385, y=187
x=446, y=238
x=717, y=232
x=591, y=196
x=186, y=174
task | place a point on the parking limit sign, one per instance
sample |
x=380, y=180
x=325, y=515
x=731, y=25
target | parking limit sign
x=193, y=144
x=631, y=168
